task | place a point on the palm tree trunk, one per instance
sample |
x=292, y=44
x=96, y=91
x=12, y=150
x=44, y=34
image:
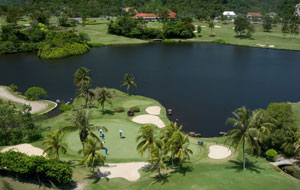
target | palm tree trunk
x=244, y=161
x=57, y=153
x=86, y=101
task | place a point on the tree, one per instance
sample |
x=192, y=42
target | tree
x=199, y=29
x=158, y=160
x=179, y=147
x=81, y=75
x=85, y=92
x=267, y=24
x=243, y=26
x=92, y=155
x=128, y=81
x=243, y=121
x=81, y=123
x=294, y=26
x=285, y=28
x=35, y=93
x=54, y=143
x=211, y=25
x=147, y=141
x=104, y=96
x=83, y=80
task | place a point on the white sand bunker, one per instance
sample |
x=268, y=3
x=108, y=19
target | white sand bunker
x=149, y=119
x=218, y=152
x=129, y=171
x=153, y=110
x=26, y=149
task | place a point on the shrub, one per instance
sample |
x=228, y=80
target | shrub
x=35, y=93
x=292, y=170
x=276, y=168
x=220, y=41
x=65, y=107
x=8, y=47
x=20, y=165
x=178, y=29
x=68, y=49
x=13, y=87
x=271, y=154
x=135, y=109
x=119, y=109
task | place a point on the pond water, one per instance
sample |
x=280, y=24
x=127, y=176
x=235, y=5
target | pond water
x=202, y=82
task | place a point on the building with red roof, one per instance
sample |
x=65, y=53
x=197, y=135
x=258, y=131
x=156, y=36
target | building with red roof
x=153, y=17
x=255, y=17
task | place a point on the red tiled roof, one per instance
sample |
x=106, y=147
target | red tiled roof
x=145, y=15
x=171, y=14
x=254, y=14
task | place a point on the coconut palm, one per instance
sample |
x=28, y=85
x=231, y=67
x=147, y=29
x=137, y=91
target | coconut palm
x=158, y=160
x=166, y=134
x=262, y=123
x=54, y=143
x=85, y=92
x=82, y=75
x=179, y=147
x=104, y=96
x=244, y=122
x=211, y=25
x=81, y=123
x=291, y=140
x=92, y=155
x=297, y=143
x=128, y=81
x=147, y=140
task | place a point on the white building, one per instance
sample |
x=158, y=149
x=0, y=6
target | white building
x=297, y=12
x=230, y=15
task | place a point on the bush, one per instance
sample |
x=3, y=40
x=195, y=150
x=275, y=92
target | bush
x=65, y=107
x=271, y=154
x=292, y=170
x=276, y=168
x=20, y=165
x=119, y=109
x=13, y=87
x=178, y=29
x=135, y=109
x=68, y=49
x=8, y=47
x=220, y=41
x=35, y=93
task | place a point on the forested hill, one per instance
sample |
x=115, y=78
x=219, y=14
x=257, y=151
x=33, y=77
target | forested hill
x=192, y=8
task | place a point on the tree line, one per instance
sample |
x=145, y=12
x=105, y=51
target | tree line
x=200, y=9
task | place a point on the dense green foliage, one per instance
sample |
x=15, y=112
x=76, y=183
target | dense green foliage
x=17, y=126
x=197, y=9
x=178, y=29
x=271, y=154
x=243, y=27
x=65, y=107
x=35, y=93
x=63, y=44
x=23, y=166
x=132, y=28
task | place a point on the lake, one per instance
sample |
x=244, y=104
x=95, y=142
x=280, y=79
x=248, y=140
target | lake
x=202, y=82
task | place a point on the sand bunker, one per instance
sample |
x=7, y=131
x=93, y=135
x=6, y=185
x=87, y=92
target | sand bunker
x=218, y=152
x=129, y=171
x=26, y=149
x=149, y=119
x=153, y=110
x=36, y=106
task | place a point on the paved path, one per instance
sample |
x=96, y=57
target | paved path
x=36, y=106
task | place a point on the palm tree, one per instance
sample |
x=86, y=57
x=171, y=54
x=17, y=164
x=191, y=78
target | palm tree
x=211, y=25
x=158, y=160
x=244, y=121
x=54, y=143
x=297, y=143
x=166, y=134
x=81, y=123
x=179, y=147
x=104, y=96
x=85, y=92
x=291, y=140
x=92, y=155
x=147, y=140
x=82, y=75
x=128, y=81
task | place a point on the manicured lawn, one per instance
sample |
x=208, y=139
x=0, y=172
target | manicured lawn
x=98, y=34
x=226, y=33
